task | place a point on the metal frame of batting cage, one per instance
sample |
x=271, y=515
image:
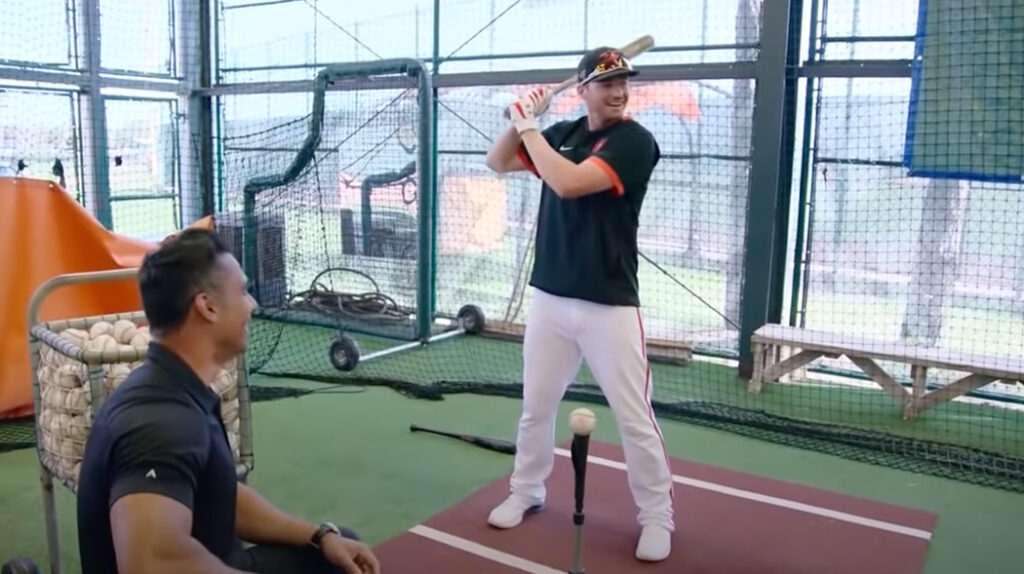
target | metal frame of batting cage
x=344, y=352
x=47, y=334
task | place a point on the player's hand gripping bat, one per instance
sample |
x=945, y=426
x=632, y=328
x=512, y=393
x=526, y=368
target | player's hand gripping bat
x=630, y=51
x=495, y=444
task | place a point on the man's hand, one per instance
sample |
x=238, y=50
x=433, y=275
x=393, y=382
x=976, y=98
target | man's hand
x=352, y=555
x=503, y=157
x=522, y=115
x=524, y=111
x=541, y=98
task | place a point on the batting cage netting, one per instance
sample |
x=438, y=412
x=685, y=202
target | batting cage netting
x=326, y=210
x=360, y=282
x=340, y=242
x=383, y=251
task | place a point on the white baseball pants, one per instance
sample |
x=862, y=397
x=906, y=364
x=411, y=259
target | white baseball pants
x=560, y=333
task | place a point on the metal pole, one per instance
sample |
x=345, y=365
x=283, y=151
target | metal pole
x=196, y=161
x=100, y=197
x=216, y=166
x=652, y=73
x=517, y=56
x=427, y=257
x=766, y=208
x=586, y=25
x=491, y=31
x=843, y=172
x=810, y=122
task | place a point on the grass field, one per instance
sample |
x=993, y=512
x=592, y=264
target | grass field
x=149, y=219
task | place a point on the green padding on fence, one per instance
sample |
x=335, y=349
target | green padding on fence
x=967, y=104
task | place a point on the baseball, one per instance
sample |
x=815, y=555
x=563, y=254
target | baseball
x=581, y=421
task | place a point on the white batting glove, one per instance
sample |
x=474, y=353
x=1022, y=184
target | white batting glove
x=541, y=98
x=525, y=110
x=522, y=114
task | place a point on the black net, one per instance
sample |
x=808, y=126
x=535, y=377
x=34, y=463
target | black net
x=144, y=146
x=691, y=236
x=912, y=269
x=17, y=433
x=922, y=264
x=38, y=136
x=336, y=239
x=148, y=27
x=43, y=35
x=967, y=99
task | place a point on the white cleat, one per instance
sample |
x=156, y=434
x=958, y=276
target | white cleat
x=655, y=543
x=510, y=513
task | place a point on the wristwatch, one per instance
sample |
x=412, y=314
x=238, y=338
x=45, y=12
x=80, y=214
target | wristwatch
x=324, y=529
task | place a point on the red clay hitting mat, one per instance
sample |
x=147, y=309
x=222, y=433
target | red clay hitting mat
x=726, y=522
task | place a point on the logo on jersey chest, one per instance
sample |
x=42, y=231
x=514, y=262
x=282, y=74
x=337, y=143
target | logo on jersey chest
x=593, y=149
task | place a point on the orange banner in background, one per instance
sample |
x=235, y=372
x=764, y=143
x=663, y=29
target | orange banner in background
x=44, y=233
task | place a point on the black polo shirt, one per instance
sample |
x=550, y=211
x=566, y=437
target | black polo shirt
x=159, y=432
x=586, y=248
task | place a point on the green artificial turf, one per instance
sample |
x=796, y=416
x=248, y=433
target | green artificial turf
x=292, y=349
x=349, y=457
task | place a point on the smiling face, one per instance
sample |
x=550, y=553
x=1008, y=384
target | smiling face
x=606, y=99
x=194, y=290
x=228, y=307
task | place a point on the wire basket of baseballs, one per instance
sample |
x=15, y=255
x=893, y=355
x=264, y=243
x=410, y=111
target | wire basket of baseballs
x=77, y=364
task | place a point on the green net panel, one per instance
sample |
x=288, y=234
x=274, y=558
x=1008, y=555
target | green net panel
x=327, y=211
x=967, y=101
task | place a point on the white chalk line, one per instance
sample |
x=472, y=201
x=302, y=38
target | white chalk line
x=510, y=560
x=531, y=567
x=772, y=500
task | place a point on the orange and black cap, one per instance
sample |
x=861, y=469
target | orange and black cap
x=603, y=63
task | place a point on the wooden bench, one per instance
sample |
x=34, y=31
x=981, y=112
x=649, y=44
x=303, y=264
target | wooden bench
x=771, y=343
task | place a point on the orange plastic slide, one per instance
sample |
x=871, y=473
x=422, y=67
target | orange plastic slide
x=44, y=232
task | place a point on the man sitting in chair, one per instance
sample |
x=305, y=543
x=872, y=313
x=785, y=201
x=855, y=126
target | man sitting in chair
x=158, y=490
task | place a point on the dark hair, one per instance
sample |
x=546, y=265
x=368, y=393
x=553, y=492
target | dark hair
x=170, y=276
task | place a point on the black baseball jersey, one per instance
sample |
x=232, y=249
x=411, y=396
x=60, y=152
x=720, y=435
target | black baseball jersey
x=160, y=432
x=586, y=248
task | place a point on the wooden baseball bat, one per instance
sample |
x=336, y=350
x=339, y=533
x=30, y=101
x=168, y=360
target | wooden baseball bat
x=630, y=51
x=495, y=444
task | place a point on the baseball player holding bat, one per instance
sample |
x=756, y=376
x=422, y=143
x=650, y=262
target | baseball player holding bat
x=594, y=172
